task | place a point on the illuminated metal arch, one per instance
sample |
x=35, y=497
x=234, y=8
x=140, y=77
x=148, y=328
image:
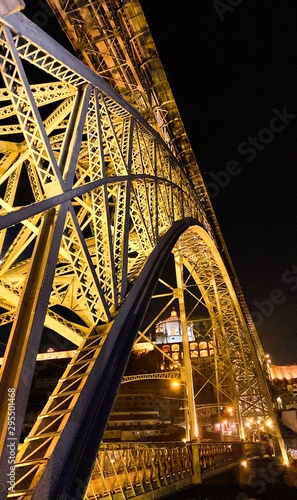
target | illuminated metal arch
x=73, y=454
x=102, y=195
x=67, y=455
x=108, y=204
x=240, y=380
x=245, y=384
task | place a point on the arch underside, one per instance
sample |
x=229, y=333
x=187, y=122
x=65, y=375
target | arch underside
x=77, y=412
x=92, y=204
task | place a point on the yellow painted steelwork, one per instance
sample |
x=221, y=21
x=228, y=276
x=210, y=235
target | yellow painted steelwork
x=116, y=180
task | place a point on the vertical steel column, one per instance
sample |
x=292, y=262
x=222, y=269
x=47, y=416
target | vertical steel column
x=21, y=351
x=187, y=368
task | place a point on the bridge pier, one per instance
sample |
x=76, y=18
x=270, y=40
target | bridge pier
x=196, y=464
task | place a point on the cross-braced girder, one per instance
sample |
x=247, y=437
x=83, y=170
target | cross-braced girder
x=117, y=146
x=234, y=345
x=92, y=203
x=234, y=371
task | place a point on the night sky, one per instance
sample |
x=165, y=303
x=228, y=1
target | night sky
x=233, y=72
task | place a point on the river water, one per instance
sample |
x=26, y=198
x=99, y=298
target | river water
x=235, y=492
x=265, y=480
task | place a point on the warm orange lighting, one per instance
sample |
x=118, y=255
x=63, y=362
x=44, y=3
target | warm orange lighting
x=269, y=423
x=288, y=372
x=51, y=354
x=175, y=383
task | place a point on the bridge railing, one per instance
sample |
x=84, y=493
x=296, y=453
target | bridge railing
x=132, y=469
x=127, y=470
x=216, y=455
x=258, y=450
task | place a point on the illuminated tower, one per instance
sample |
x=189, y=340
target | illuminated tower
x=169, y=330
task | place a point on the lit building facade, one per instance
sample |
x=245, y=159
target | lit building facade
x=169, y=330
x=169, y=338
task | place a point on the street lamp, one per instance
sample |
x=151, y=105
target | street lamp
x=176, y=384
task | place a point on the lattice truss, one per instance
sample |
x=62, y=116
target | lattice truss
x=88, y=189
x=137, y=469
x=112, y=38
x=73, y=146
x=234, y=370
x=67, y=136
x=235, y=361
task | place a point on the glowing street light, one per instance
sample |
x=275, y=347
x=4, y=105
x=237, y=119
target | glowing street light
x=176, y=384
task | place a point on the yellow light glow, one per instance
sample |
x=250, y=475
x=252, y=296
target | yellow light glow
x=269, y=423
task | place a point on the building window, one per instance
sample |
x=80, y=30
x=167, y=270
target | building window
x=203, y=345
x=193, y=346
x=175, y=347
x=194, y=354
x=203, y=354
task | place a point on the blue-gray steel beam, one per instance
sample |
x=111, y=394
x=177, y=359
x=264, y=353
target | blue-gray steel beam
x=69, y=474
x=19, y=361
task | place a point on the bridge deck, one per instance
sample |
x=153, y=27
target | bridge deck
x=155, y=470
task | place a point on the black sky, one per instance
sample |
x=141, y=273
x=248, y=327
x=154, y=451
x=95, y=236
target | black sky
x=233, y=72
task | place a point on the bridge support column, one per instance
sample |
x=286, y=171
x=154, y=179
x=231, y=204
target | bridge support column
x=20, y=355
x=196, y=464
x=187, y=375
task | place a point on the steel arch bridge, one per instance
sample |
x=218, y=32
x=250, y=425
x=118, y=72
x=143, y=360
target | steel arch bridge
x=95, y=197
